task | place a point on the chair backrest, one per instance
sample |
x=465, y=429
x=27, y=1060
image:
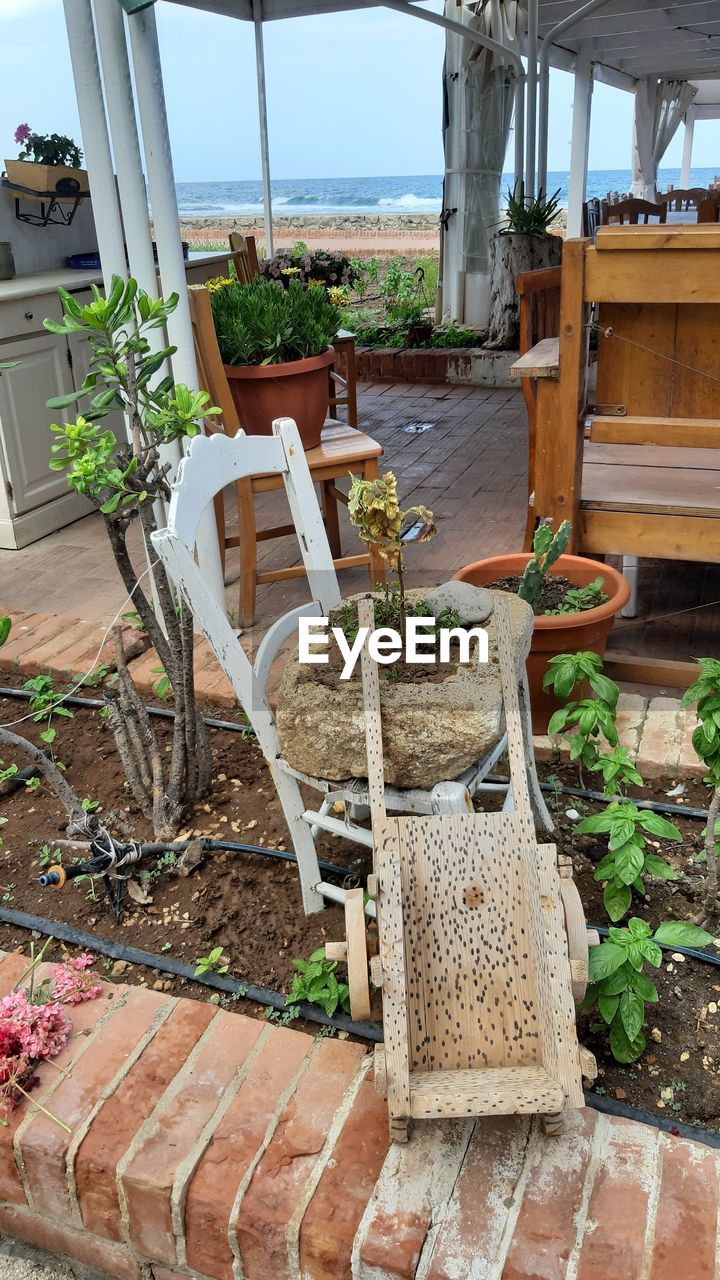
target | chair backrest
x=709, y=209
x=211, y=463
x=631, y=211
x=245, y=257
x=680, y=199
x=590, y=217
x=211, y=374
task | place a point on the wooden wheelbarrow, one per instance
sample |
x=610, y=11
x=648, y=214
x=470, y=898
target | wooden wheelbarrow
x=482, y=947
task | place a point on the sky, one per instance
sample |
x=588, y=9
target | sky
x=349, y=95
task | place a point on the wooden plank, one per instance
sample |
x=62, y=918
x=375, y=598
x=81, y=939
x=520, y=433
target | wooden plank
x=558, y=1033
x=659, y=671
x=653, y=236
x=696, y=371
x=636, y=372
x=558, y=459
x=685, y=275
x=541, y=361
x=684, y=492
x=357, y=958
x=537, y=281
x=649, y=456
x=666, y=432
x=498, y=1091
x=650, y=534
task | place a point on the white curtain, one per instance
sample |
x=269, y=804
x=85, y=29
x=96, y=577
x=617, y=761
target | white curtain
x=660, y=106
x=478, y=110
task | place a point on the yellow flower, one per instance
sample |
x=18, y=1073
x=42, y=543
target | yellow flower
x=337, y=294
x=218, y=282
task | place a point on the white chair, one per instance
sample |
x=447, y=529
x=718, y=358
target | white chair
x=212, y=463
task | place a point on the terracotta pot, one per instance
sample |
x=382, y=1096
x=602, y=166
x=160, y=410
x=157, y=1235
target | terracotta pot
x=298, y=390
x=44, y=177
x=566, y=633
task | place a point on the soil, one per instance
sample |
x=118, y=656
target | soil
x=553, y=591
x=386, y=615
x=252, y=906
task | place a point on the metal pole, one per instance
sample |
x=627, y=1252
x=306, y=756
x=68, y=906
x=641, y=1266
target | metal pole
x=96, y=140
x=519, y=122
x=544, y=77
x=123, y=126
x=686, y=167
x=161, y=182
x=532, y=77
x=579, y=144
x=262, y=117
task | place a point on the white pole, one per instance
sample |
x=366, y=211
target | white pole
x=262, y=116
x=582, y=99
x=686, y=167
x=532, y=50
x=544, y=78
x=96, y=141
x=161, y=182
x=123, y=126
x=519, y=127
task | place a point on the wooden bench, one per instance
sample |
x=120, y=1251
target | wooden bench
x=635, y=465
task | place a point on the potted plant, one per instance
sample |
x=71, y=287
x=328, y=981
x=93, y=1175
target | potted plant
x=524, y=243
x=276, y=347
x=47, y=162
x=575, y=601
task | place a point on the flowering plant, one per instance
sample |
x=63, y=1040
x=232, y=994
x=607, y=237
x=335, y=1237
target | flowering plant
x=47, y=148
x=310, y=267
x=375, y=512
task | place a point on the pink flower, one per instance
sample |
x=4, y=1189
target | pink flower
x=22, y=133
x=71, y=984
x=42, y=1029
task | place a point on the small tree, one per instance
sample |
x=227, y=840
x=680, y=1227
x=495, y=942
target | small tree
x=127, y=482
x=706, y=741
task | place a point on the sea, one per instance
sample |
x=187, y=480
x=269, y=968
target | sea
x=346, y=196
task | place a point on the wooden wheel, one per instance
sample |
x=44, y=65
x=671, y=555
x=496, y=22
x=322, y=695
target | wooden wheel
x=576, y=931
x=357, y=955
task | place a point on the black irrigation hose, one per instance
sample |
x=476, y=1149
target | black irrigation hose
x=218, y=981
x=165, y=713
x=614, y=1107
x=657, y=806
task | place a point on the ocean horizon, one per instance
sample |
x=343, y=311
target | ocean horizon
x=390, y=195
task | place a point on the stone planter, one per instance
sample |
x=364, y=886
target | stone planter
x=432, y=731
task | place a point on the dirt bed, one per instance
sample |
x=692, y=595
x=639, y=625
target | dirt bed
x=252, y=906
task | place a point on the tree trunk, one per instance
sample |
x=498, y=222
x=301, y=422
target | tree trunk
x=510, y=254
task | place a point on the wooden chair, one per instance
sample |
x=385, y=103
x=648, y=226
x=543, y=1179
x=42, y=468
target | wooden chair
x=680, y=200
x=709, y=209
x=631, y=211
x=245, y=257
x=212, y=462
x=474, y=918
x=636, y=468
x=590, y=217
x=341, y=450
x=539, y=294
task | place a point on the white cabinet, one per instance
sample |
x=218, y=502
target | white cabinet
x=43, y=371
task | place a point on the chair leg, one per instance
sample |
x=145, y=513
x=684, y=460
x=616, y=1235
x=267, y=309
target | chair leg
x=248, y=551
x=537, y=801
x=219, y=504
x=307, y=860
x=330, y=513
x=630, y=570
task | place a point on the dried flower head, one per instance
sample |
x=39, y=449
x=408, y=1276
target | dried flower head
x=72, y=984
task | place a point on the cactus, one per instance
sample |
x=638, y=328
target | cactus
x=547, y=548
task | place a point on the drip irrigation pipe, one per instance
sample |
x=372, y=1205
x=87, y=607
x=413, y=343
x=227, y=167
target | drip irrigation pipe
x=165, y=713
x=166, y=964
x=614, y=1107
x=657, y=806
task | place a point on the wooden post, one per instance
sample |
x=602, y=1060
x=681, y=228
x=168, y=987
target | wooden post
x=559, y=404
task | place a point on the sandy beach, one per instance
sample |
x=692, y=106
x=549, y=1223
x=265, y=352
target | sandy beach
x=384, y=234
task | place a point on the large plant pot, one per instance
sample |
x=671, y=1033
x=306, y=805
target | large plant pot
x=45, y=177
x=299, y=390
x=566, y=633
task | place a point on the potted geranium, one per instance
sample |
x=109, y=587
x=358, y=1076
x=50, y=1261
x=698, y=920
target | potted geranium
x=575, y=601
x=47, y=162
x=276, y=347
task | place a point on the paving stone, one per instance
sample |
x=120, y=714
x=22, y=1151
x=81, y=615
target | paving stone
x=630, y=716
x=235, y=1144
x=661, y=739
x=685, y=1238
x=272, y=1197
x=614, y=1243
x=112, y=1259
x=170, y=1135
x=116, y=1124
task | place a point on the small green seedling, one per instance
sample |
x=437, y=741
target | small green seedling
x=46, y=703
x=580, y=599
x=628, y=859
x=214, y=962
x=618, y=987
x=316, y=983
x=590, y=719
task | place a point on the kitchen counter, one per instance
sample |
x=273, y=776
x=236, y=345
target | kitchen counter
x=38, y=282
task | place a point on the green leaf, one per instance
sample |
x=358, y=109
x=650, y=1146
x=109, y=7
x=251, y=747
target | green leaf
x=657, y=866
x=604, y=960
x=49, y=735
x=645, y=989
x=682, y=933
x=658, y=826
x=629, y=862
x=617, y=899
x=638, y=929
x=604, y=687
x=608, y=1006
x=62, y=402
x=651, y=952
x=632, y=1014
x=5, y=628
x=111, y=505
x=596, y=823
x=623, y=1049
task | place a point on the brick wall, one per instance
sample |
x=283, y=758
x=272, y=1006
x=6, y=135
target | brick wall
x=462, y=366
